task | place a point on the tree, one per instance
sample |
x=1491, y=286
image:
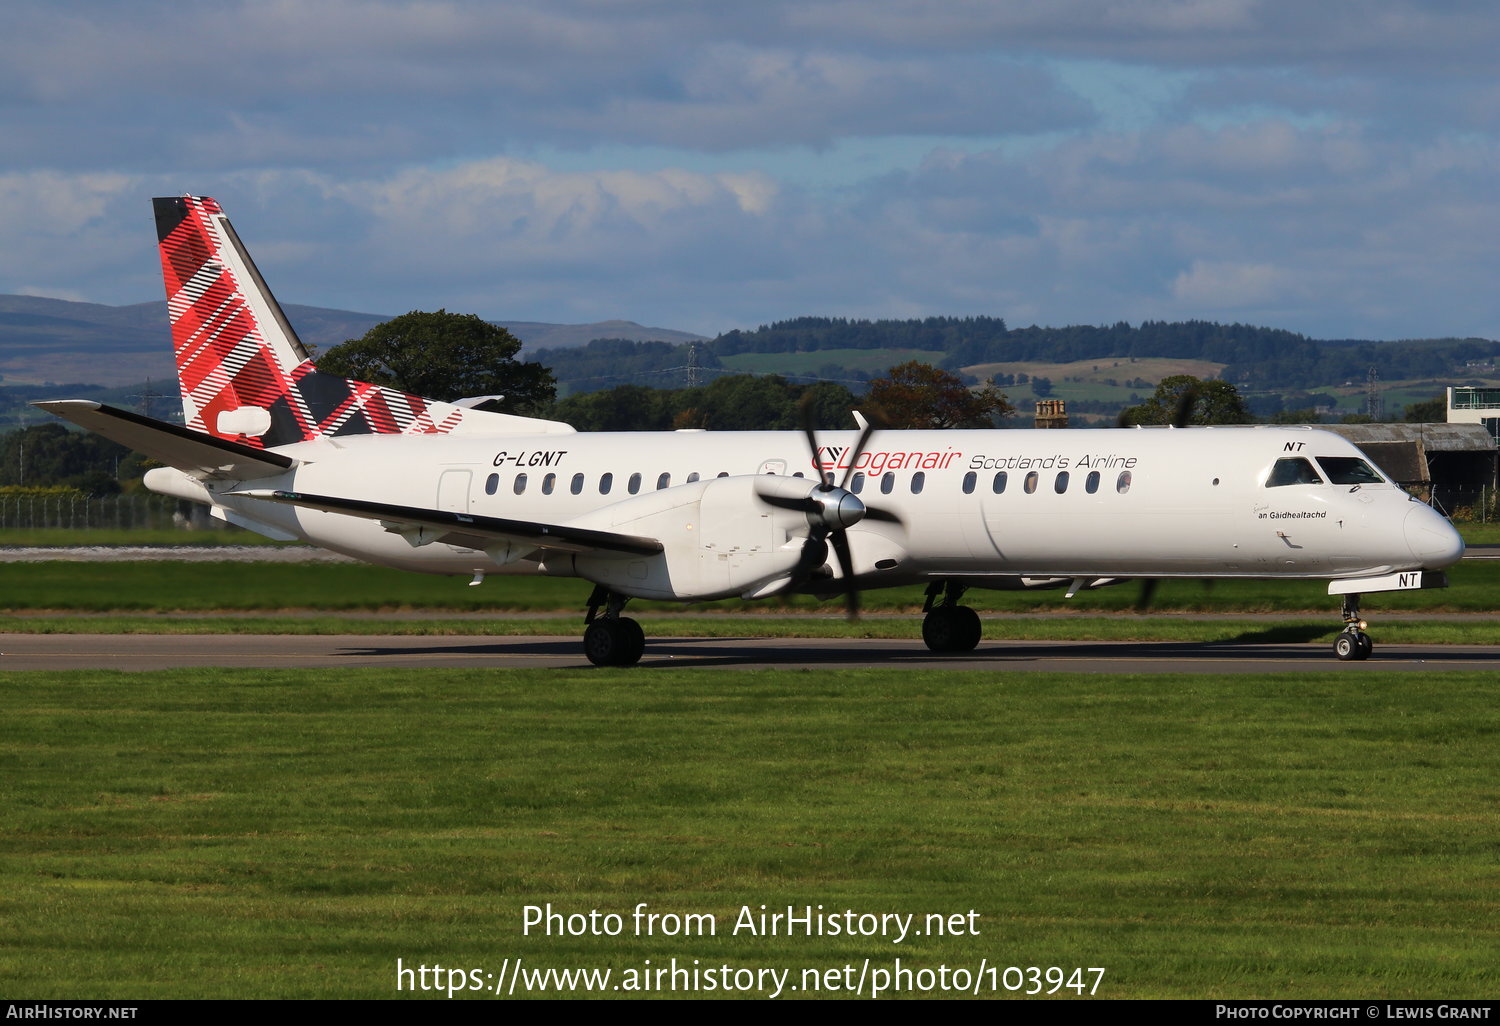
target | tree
x=918, y=395
x=745, y=402
x=830, y=404
x=50, y=454
x=1206, y=402
x=1428, y=411
x=444, y=356
x=623, y=408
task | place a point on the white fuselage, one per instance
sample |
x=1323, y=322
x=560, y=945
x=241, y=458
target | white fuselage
x=977, y=506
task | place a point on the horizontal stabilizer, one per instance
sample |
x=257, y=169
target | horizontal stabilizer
x=190, y=451
x=469, y=529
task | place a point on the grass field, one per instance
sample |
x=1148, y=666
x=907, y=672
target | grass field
x=168, y=586
x=282, y=834
x=225, y=834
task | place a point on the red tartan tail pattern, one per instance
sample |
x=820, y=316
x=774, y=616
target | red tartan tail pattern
x=231, y=355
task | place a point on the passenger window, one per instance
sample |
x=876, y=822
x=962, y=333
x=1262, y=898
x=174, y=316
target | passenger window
x=1348, y=470
x=634, y=485
x=887, y=482
x=1061, y=484
x=1292, y=470
x=918, y=481
x=665, y=481
x=970, y=480
x=1091, y=483
x=1122, y=483
x=858, y=484
x=520, y=485
x=577, y=486
x=692, y=477
x=999, y=483
x=723, y=473
x=548, y=483
x=492, y=484
x=606, y=482
x=1031, y=480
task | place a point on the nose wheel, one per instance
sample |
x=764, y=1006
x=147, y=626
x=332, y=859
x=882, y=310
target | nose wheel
x=1353, y=644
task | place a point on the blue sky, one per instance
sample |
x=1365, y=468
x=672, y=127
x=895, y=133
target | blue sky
x=1329, y=168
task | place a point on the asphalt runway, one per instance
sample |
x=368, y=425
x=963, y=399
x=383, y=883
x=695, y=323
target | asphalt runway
x=145, y=652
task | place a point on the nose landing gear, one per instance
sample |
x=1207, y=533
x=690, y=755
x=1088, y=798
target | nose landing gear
x=1353, y=643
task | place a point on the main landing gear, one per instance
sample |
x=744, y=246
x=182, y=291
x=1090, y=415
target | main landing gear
x=611, y=639
x=1353, y=643
x=949, y=627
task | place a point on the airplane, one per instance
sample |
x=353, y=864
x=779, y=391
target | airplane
x=273, y=445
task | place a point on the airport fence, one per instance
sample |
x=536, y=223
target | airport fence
x=66, y=509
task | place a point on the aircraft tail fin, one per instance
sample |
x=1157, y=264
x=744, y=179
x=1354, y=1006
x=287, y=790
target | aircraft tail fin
x=246, y=376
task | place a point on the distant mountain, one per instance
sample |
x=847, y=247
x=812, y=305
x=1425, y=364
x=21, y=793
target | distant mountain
x=56, y=340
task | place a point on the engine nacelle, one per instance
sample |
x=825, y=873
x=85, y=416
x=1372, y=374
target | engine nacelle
x=721, y=540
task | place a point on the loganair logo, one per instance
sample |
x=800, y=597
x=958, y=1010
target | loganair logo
x=836, y=457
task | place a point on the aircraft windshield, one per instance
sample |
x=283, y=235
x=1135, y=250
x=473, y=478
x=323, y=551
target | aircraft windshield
x=1349, y=470
x=1292, y=471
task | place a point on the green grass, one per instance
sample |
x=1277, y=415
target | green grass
x=1480, y=534
x=169, y=586
x=283, y=834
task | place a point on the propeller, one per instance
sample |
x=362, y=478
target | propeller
x=831, y=510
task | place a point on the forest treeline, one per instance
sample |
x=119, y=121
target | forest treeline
x=1255, y=358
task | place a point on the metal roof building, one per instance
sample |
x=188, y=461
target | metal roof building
x=1455, y=465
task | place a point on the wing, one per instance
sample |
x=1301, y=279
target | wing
x=467, y=529
x=190, y=451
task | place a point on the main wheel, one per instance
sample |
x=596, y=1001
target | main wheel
x=952, y=629
x=614, y=642
x=634, y=640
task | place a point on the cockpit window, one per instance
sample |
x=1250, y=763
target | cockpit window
x=1292, y=470
x=1349, y=470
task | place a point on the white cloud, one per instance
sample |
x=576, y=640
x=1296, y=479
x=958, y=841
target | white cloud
x=1224, y=287
x=53, y=204
x=1325, y=167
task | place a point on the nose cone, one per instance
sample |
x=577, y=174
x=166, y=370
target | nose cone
x=1432, y=538
x=844, y=511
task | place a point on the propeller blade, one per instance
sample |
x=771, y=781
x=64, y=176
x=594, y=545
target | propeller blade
x=801, y=504
x=840, y=541
x=1148, y=595
x=859, y=448
x=810, y=432
x=1185, y=403
x=814, y=555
